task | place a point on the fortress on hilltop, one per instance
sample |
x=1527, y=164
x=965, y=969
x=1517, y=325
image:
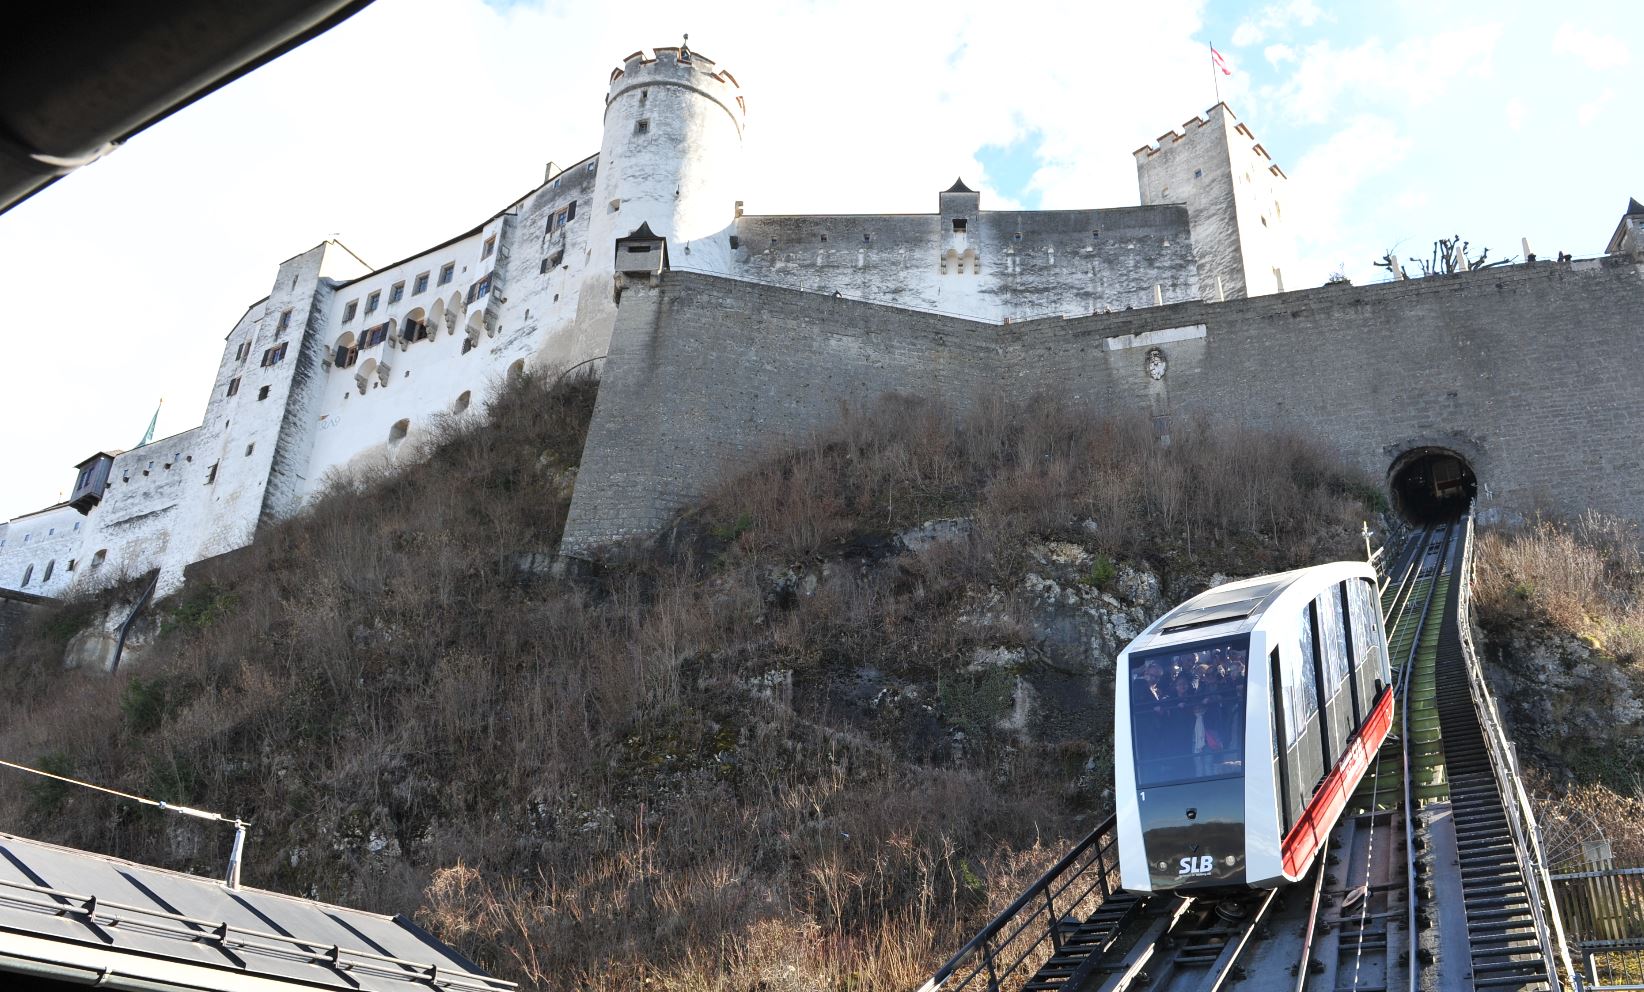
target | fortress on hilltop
x=724, y=334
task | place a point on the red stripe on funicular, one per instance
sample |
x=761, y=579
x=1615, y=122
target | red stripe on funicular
x=1314, y=826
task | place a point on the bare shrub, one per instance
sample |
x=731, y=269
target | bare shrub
x=1585, y=576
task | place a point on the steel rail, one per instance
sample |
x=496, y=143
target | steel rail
x=1406, y=676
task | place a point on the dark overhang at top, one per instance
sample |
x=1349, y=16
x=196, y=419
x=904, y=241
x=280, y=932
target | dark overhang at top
x=78, y=80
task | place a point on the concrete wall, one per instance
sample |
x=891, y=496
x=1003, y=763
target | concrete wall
x=1530, y=372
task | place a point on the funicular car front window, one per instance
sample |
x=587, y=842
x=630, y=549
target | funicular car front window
x=1187, y=712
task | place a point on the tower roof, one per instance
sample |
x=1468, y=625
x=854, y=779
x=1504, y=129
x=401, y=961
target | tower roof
x=1634, y=208
x=960, y=187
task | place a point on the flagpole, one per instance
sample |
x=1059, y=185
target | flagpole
x=1217, y=83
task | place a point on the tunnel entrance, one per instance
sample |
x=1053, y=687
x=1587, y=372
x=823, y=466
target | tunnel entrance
x=1431, y=485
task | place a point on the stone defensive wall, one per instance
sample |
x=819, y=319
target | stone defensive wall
x=1529, y=372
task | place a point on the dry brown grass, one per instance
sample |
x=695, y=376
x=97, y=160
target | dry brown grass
x=1586, y=577
x=590, y=783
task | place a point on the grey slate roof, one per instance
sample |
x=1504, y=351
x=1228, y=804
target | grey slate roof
x=68, y=913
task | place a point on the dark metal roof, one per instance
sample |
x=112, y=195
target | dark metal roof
x=67, y=913
x=1634, y=208
x=73, y=86
x=1220, y=605
x=959, y=187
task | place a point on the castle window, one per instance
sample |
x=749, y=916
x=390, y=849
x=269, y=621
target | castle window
x=50, y=567
x=591, y=166
x=736, y=242
x=462, y=401
x=262, y=394
x=274, y=355
x=234, y=386
x=866, y=238
x=52, y=530
x=374, y=336
x=824, y=237
x=98, y=558
x=284, y=324
x=958, y=225
x=250, y=448
x=468, y=345
x=421, y=285
x=77, y=527
x=347, y=352
x=642, y=125
x=1095, y=234
x=448, y=270
x=372, y=301
x=396, y=292
x=244, y=350
x=416, y=326
x=28, y=573
x=556, y=258
x=1198, y=173
x=397, y=433
x=1018, y=235
x=479, y=289
x=571, y=210
x=489, y=247
x=211, y=477
x=350, y=310
x=70, y=566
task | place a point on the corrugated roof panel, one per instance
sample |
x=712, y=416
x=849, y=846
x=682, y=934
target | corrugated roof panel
x=153, y=916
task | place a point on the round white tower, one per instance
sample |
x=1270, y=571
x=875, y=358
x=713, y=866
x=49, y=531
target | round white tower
x=671, y=158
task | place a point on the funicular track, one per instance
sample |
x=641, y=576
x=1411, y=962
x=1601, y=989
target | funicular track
x=1074, y=930
x=1360, y=922
x=1484, y=843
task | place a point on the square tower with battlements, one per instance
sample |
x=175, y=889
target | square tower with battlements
x=1235, y=197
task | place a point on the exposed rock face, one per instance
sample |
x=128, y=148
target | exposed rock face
x=1577, y=710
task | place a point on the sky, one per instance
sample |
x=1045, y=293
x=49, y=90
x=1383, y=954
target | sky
x=1397, y=123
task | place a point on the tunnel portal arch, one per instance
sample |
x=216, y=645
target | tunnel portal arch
x=1431, y=484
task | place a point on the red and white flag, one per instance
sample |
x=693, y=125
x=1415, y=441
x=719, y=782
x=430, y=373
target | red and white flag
x=1219, y=62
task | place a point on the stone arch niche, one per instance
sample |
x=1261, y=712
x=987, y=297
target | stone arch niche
x=1431, y=483
x=346, y=351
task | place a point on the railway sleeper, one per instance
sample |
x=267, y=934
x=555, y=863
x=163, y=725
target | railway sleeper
x=1503, y=967
x=1523, y=980
x=1510, y=886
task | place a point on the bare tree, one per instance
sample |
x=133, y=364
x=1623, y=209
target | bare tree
x=1450, y=255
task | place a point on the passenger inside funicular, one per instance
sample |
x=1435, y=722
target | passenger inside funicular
x=1187, y=712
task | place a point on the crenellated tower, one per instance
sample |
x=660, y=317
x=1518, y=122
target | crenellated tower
x=671, y=158
x=1235, y=196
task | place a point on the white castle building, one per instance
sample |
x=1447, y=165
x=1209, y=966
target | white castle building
x=341, y=366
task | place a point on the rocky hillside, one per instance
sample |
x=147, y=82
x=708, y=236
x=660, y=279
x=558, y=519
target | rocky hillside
x=1561, y=605
x=810, y=737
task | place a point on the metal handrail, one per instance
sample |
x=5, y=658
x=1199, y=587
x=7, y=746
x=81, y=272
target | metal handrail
x=1510, y=783
x=1040, y=898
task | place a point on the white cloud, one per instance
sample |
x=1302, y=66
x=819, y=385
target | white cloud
x=1325, y=187
x=1276, y=54
x=1515, y=113
x=1329, y=81
x=1589, y=111
x=1278, y=17
x=417, y=119
x=1599, y=52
